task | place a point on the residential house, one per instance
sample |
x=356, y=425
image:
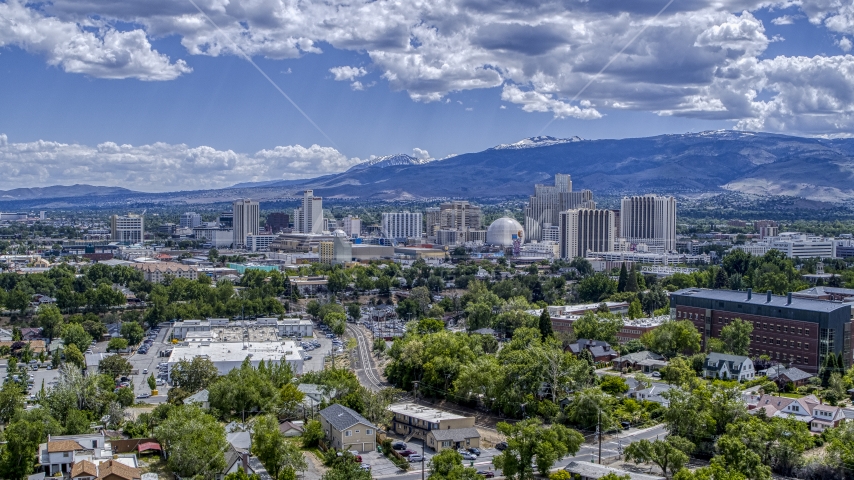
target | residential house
x=199, y=398
x=292, y=429
x=315, y=395
x=115, y=470
x=653, y=393
x=345, y=429
x=236, y=459
x=453, y=438
x=645, y=361
x=601, y=351
x=84, y=470
x=57, y=454
x=783, y=376
x=728, y=367
x=808, y=409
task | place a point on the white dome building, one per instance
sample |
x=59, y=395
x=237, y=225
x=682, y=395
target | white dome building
x=501, y=232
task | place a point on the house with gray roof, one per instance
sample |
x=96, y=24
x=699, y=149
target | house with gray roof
x=782, y=376
x=728, y=367
x=653, y=393
x=601, y=351
x=645, y=361
x=453, y=438
x=315, y=395
x=345, y=429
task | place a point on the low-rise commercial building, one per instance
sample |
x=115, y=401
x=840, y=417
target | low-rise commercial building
x=216, y=327
x=227, y=356
x=159, y=271
x=426, y=423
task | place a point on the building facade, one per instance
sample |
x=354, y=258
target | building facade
x=460, y=215
x=650, y=220
x=215, y=236
x=259, y=243
x=352, y=226
x=247, y=215
x=127, y=229
x=402, y=225
x=584, y=230
x=545, y=206
x=309, y=217
x=278, y=221
x=190, y=220
x=158, y=272
x=788, y=329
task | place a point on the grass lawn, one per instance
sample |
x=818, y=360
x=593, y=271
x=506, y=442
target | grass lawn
x=792, y=395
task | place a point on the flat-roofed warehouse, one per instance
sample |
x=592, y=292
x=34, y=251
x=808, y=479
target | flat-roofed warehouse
x=795, y=330
x=227, y=356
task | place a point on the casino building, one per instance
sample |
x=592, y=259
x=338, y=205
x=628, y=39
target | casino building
x=788, y=329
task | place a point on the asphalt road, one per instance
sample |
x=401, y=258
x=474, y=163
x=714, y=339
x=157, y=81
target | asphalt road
x=611, y=446
x=365, y=368
x=149, y=361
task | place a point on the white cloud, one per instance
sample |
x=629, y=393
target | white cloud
x=533, y=101
x=844, y=43
x=421, y=154
x=347, y=73
x=159, y=166
x=698, y=59
x=100, y=52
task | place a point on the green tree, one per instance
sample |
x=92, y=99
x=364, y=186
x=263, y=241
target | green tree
x=624, y=278
x=115, y=366
x=49, y=318
x=193, y=441
x=545, y=323
x=241, y=474
x=132, y=332
x=635, y=309
x=613, y=385
x=74, y=356
x=346, y=469
x=673, y=337
x=117, y=344
x=23, y=436
x=601, y=326
x=670, y=454
x=529, y=439
x=354, y=311
x=125, y=396
x=275, y=452
x=74, y=334
x=11, y=401
x=194, y=375
x=596, y=288
x=632, y=281
x=152, y=383
x=735, y=456
x=448, y=465
x=94, y=328
x=736, y=336
x=679, y=372
x=721, y=279
x=312, y=434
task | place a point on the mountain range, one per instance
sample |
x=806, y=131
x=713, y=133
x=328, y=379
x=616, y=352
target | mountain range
x=762, y=164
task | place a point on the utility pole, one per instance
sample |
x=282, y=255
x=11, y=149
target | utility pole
x=599, y=434
x=423, y=439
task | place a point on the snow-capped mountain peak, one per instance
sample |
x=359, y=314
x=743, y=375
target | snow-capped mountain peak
x=534, y=142
x=398, y=159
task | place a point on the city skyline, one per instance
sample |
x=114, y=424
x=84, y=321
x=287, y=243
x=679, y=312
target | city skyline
x=169, y=104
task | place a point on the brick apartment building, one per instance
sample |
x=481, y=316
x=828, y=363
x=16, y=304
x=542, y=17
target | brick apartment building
x=794, y=330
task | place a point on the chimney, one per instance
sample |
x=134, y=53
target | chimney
x=749, y=294
x=769, y=297
x=789, y=298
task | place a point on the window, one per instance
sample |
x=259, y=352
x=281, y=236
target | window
x=807, y=331
x=800, y=331
x=357, y=431
x=778, y=341
x=799, y=344
x=64, y=454
x=348, y=433
x=368, y=431
x=796, y=408
x=806, y=346
x=778, y=327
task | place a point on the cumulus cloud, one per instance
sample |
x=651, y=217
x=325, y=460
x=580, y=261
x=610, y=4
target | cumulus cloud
x=347, y=73
x=159, y=166
x=844, y=44
x=698, y=59
x=421, y=154
x=105, y=52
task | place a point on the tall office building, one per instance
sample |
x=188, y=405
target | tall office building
x=432, y=220
x=649, y=219
x=226, y=219
x=402, y=225
x=460, y=215
x=585, y=229
x=127, y=229
x=190, y=220
x=278, y=221
x=549, y=201
x=247, y=215
x=352, y=226
x=309, y=217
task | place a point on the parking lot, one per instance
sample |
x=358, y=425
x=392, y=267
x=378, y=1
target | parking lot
x=383, y=467
x=148, y=362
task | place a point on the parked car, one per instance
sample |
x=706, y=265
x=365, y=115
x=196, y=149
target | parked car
x=407, y=453
x=416, y=458
x=307, y=357
x=501, y=446
x=143, y=395
x=365, y=466
x=398, y=445
x=144, y=370
x=474, y=451
x=468, y=456
x=486, y=474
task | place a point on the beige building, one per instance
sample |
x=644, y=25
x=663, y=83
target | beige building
x=157, y=272
x=344, y=429
x=440, y=429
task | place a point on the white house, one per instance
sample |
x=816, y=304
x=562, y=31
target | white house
x=729, y=367
x=57, y=455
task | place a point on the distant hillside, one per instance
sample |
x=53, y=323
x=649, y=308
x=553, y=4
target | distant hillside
x=760, y=164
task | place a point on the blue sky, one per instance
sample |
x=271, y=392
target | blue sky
x=152, y=97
